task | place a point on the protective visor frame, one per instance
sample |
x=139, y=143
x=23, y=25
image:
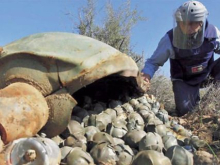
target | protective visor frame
x=188, y=34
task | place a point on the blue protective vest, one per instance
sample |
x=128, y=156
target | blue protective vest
x=193, y=66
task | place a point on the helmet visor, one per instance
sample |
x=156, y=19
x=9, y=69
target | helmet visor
x=188, y=34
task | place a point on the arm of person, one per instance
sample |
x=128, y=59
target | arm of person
x=217, y=48
x=163, y=52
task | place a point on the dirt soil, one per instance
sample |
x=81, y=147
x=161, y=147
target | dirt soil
x=207, y=127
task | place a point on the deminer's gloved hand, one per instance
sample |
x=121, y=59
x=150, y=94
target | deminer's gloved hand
x=146, y=78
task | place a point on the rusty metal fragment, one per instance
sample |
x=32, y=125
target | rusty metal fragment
x=23, y=111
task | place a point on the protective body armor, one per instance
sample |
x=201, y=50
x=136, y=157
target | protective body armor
x=194, y=65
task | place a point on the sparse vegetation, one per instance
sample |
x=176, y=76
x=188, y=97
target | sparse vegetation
x=210, y=100
x=204, y=121
x=161, y=88
x=114, y=30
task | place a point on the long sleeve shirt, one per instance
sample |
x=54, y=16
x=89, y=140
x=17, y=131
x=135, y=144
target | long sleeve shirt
x=163, y=52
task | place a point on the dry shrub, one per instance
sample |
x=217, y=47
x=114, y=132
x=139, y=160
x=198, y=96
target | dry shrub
x=210, y=97
x=205, y=119
x=161, y=88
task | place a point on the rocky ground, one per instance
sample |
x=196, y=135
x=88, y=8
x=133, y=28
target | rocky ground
x=207, y=127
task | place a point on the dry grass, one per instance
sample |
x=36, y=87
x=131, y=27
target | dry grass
x=210, y=98
x=204, y=121
x=161, y=88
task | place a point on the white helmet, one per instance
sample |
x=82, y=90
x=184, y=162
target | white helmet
x=191, y=11
x=189, y=28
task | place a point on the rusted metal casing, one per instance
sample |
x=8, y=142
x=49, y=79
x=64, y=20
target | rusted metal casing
x=50, y=62
x=23, y=111
x=72, y=60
